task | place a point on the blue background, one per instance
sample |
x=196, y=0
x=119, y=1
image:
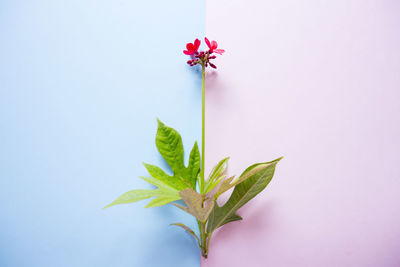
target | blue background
x=81, y=85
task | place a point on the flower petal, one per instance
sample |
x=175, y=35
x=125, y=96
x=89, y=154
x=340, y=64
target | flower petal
x=190, y=46
x=196, y=44
x=219, y=51
x=188, y=52
x=214, y=45
x=207, y=42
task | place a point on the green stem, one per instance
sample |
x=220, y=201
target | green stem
x=203, y=116
x=202, y=225
x=204, y=240
x=208, y=237
x=204, y=236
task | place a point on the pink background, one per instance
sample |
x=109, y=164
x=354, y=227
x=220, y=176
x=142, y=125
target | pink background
x=316, y=82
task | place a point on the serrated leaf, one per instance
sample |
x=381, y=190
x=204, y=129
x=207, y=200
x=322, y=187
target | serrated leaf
x=196, y=205
x=257, y=177
x=188, y=230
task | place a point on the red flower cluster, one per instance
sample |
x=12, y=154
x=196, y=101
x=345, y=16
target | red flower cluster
x=202, y=57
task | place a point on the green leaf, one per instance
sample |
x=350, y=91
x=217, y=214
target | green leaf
x=193, y=168
x=196, y=205
x=169, y=144
x=188, y=230
x=252, y=181
x=164, y=194
x=159, y=184
x=159, y=174
x=228, y=183
x=162, y=200
x=218, y=169
x=216, y=175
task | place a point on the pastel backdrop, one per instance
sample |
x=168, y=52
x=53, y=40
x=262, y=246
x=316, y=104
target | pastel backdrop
x=81, y=85
x=318, y=83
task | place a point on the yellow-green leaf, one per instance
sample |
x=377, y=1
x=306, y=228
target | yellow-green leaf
x=133, y=196
x=216, y=175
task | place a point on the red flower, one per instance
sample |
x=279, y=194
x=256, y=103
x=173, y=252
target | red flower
x=213, y=47
x=203, y=57
x=192, y=48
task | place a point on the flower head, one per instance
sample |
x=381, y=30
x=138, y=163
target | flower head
x=202, y=57
x=192, y=48
x=213, y=46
